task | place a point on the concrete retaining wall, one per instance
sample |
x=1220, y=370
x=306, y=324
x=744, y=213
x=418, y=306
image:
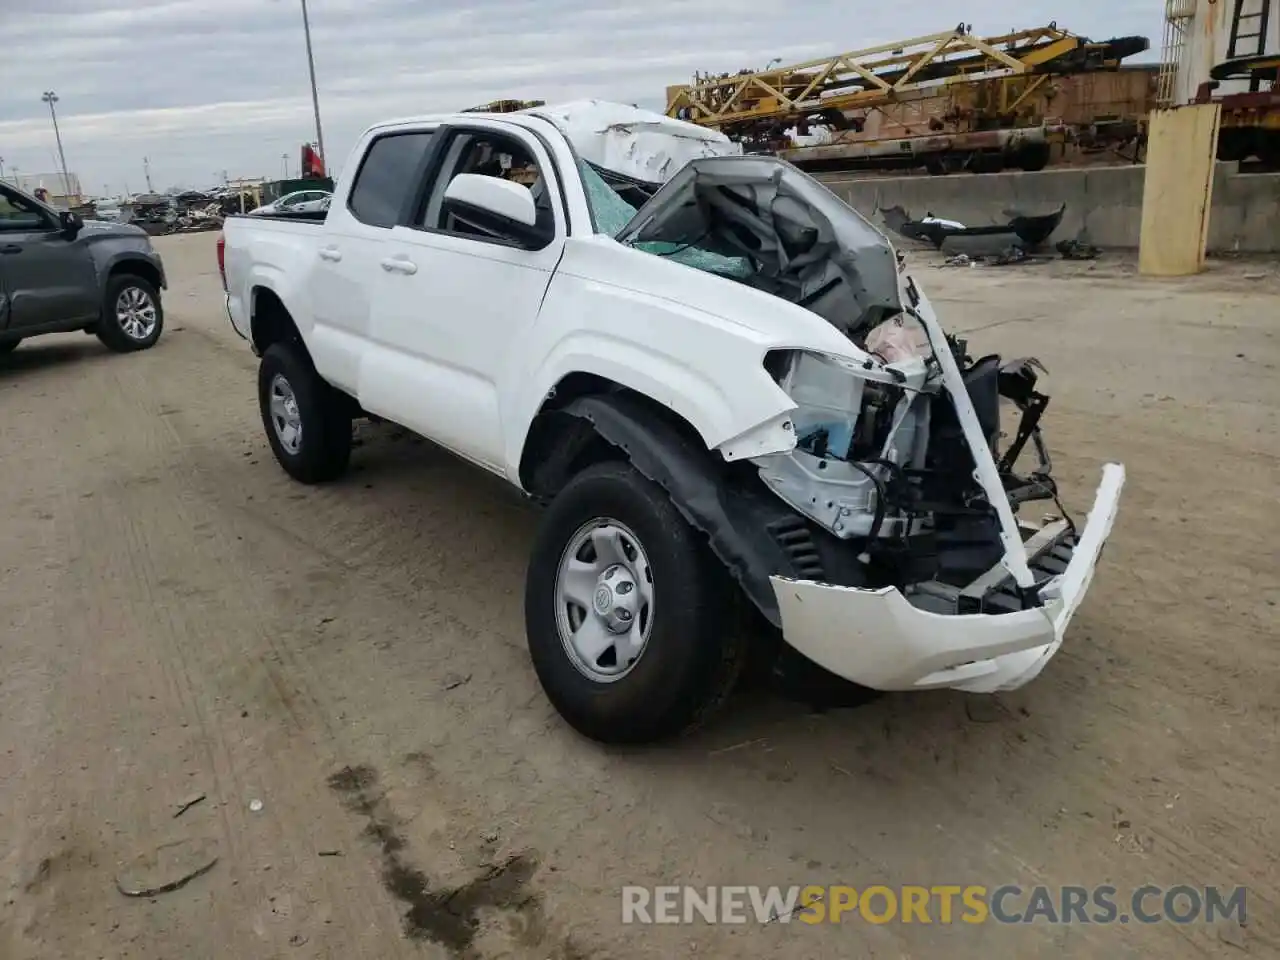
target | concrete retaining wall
x=1105, y=202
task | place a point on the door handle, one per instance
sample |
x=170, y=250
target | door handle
x=399, y=265
x=331, y=254
x=10, y=248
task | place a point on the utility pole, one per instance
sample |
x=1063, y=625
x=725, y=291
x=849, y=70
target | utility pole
x=146, y=169
x=315, y=97
x=51, y=98
x=1, y=168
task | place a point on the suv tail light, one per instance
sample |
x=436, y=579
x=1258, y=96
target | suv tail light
x=222, y=259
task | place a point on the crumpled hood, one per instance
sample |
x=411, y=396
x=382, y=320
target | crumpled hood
x=774, y=228
x=637, y=143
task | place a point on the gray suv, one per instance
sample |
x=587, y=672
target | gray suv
x=60, y=273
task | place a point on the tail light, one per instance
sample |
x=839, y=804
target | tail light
x=222, y=259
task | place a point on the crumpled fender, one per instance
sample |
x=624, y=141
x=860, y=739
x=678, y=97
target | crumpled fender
x=735, y=524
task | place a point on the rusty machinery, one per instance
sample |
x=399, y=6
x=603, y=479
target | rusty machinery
x=506, y=106
x=995, y=89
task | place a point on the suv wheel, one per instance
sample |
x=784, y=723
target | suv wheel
x=132, y=316
x=626, y=613
x=308, y=423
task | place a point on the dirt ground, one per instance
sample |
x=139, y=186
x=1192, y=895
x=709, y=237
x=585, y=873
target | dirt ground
x=340, y=673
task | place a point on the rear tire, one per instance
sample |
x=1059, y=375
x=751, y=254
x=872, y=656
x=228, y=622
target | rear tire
x=132, y=316
x=308, y=423
x=689, y=659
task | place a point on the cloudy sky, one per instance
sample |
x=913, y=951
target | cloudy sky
x=202, y=86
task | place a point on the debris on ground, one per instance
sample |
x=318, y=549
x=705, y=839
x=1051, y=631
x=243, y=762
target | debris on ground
x=1232, y=933
x=454, y=680
x=255, y=805
x=188, y=803
x=167, y=867
x=1011, y=254
x=1078, y=250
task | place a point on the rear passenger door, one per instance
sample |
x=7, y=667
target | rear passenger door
x=347, y=271
x=452, y=299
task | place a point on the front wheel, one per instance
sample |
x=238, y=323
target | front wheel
x=627, y=617
x=307, y=423
x=132, y=316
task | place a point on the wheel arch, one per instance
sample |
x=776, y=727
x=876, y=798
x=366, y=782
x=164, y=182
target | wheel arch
x=270, y=322
x=136, y=267
x=594, y=420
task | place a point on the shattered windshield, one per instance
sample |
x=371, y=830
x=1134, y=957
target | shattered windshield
x=611, y=213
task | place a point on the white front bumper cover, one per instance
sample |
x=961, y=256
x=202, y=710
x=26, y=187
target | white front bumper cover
x=876, y=638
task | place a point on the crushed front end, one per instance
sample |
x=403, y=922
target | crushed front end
x=891, y=553
x=919, y=572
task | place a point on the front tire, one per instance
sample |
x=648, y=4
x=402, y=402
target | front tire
x=308, y=423
x=628, y=621
x=132, y=316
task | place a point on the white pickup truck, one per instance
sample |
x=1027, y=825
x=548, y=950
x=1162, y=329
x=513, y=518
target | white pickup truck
x=720, y=379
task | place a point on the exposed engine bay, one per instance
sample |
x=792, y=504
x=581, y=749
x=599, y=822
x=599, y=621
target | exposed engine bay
x=886, y=468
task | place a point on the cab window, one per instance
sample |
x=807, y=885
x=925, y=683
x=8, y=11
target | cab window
x=17, y=213
x=492, y=155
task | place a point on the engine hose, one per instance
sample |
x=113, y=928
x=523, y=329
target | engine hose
x=877, y=521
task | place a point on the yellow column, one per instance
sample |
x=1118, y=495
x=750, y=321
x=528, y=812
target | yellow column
x=1177, y=193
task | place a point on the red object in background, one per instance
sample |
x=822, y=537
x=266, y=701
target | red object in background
x=312, y=166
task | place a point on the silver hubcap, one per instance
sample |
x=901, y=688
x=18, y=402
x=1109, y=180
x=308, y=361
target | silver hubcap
x=136, y=313
x=604, y=600
x=284, y=414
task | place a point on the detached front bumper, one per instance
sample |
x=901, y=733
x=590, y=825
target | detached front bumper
x=878, y=639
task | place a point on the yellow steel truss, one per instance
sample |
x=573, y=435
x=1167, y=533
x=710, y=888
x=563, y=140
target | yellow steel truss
x=872, y=77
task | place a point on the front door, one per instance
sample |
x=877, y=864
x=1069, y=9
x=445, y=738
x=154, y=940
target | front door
x=452, y=300
x=51, y=279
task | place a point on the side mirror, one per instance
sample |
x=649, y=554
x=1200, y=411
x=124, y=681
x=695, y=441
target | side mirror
x=71, y=224
x=499, y=207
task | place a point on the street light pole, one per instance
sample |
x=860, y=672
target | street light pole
x=315, y=97
x=51, y=98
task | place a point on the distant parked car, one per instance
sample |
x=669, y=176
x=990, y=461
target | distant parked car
x=108, y=210
x=304, y=201
x=60, y=273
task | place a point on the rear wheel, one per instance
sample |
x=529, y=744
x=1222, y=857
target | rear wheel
x=627, y=616
x=132, y=316
x=308, y=423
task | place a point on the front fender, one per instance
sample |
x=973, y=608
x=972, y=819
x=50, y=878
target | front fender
x=110, y=252
x=709, y=372
x=736, y=522
x=663, y=378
